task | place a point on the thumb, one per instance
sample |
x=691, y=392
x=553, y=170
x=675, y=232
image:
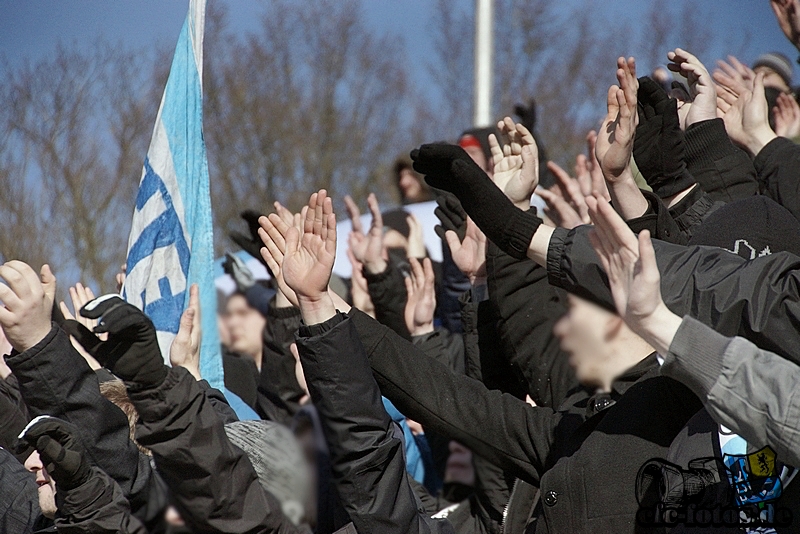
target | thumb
x=48, y=282
x=87, y=339
x=647, y=256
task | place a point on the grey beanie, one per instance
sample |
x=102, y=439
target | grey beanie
x=278, y=461
x=777, y=62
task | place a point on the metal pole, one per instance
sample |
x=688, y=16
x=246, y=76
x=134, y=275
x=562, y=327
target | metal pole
x=484, y=50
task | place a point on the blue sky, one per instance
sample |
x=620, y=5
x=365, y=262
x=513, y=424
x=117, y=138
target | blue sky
x=32, y=28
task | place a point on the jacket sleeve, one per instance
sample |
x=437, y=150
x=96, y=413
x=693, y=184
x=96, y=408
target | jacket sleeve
x=388, y=293
x=777, y=166
x=658, y=220
x=722, y=170
x=212, y=483
x=55, y=380
x=757, y=299
x=503, y=429
x=278, y=363
x=751, y=391
x=19, y=499
x=527, y=308
x=366, y=447
x=95, y=507
x=445, y=346
x=15, y=413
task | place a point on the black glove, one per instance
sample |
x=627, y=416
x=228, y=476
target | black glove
x=658, y=145
x=237, y=270
x=451, y=214
x=527, y=114
x=61, y=453
x=449, y=168
x=131, y=351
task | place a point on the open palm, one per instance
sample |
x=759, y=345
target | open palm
x=516, y=164
x=309, y=257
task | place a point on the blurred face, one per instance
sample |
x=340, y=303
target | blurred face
x=477, y=155
x=410, y=186
x=46, y=485
x=459, y=466
x=772, y=79
x=245, y=327
x=584, y=333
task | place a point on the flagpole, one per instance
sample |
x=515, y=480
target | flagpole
x=484, y=44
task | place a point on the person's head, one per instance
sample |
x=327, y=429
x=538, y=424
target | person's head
x=777, y=71
x=599, y=344
x=410, y=184
x=459, y=467
x=245, y=326
x=278, y=461
x=115, y=391
x=46, y=485
x=475, y=142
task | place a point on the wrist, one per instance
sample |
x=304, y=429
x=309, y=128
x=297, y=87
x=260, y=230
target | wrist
x=421, y=330
x=36, y=336
x=376, y=266
x=316, y=309
x=658, y=328
x=524, y=204
x=759, y=139
x=281, y=300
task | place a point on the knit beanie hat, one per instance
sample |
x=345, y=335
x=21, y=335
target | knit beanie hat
x=751, y=227
x=278, y=461
x=479, y=138
x=777, y=62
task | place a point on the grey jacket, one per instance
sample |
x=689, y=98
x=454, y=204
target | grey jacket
x=749, y=390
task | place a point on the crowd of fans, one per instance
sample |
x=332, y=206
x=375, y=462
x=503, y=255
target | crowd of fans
x=614, y=351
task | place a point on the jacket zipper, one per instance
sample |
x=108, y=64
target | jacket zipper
x=508, y=505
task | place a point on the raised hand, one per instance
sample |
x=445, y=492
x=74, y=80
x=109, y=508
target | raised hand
x=359, y=289
x=308, y=262
x=633, y=276
x=185, y=348
x=28, y=303
x=596, y=178
x=788, y=14
x=733, y=76
x=416, y=240
x=516, y=162
x=421, y=301
x=60, y=450
x=469, y=254
x=80, y=295
x=747, y=117
x=273, y=234
x=787, y=116
x=615, y=142
x=367, y=248
x=567, y=208
x=131, y=351
x=701, y=86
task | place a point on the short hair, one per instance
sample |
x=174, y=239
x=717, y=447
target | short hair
x=116, y=392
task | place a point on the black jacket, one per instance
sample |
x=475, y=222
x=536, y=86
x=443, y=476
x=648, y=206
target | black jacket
x=584, y=462
x=366, y=446
x=778, y=174
x=278, y=363
x=55, y=380
x=388, y=293
x=527, y=308
x=212, y=483
x=19, y=500
x=95, y=507
x=757, y=299
x=724, y=171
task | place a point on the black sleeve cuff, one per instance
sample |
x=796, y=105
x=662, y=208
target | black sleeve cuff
x=707, y=142
x=314, y=330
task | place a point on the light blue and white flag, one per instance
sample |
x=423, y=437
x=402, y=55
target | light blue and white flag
x=171, y=242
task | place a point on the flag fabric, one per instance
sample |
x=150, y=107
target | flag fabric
x=171, y=242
